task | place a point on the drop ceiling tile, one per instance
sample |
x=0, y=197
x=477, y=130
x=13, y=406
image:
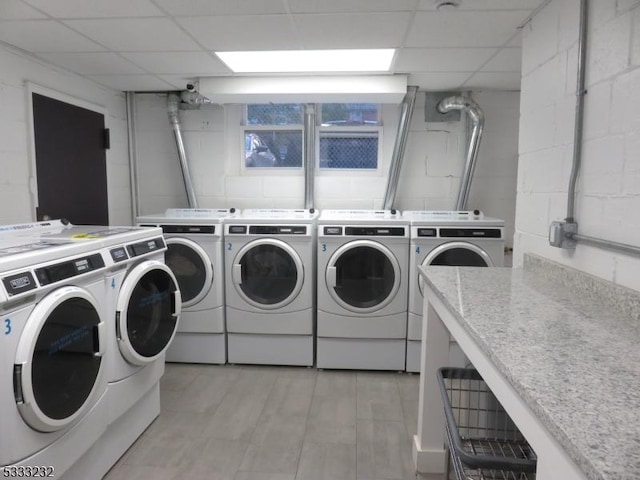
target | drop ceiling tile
x=179, y=82
x=336, y=6
x=464, y=29
x=97, y=8
x=16, y=10
x=180, y=8
x=441, y=59
x=135, y=35
x=506, y=60
x=438, y=81
x=200, y=63
x=242, y=32
x=494, y=81
x=97, y=63
x=133, y=83
x=488, y=4
x=366, y=30
x=38, y=36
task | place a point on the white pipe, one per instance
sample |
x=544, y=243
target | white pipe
x=474, y=112
x=133, y=155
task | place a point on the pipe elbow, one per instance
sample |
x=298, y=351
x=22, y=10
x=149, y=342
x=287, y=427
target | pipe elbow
x=459, y=102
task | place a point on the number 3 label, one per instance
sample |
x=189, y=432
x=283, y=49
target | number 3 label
x=7, y=326
x=324, y=247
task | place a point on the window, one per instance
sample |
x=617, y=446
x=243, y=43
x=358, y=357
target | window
x=273, y=135
x=349, y=134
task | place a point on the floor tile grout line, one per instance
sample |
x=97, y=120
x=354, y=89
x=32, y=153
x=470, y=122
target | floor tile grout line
x=306, y=423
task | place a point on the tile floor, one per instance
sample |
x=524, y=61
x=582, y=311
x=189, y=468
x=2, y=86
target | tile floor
x=277, y=423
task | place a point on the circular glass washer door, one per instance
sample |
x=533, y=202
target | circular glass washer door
x=267, y=273
x=363, y=276
x=455, y=254
x=59, y=358
x=147, y=312
x=192, y=267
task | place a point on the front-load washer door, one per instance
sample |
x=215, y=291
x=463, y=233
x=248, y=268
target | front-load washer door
x=268, y=273
x=192, y=267
x=363, y=276
x=455, y=254
x=58, y=359
x=147, y=312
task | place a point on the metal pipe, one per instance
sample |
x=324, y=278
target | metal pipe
x=579, y=119
x=598, y=242
x=133, y=155
x=309, y=154
x=406, y=113
x=474, y=112
x=194, y=98
x=172, y=109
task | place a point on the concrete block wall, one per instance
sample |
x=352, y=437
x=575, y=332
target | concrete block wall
x=430, y=175
x=608, y=198
x=17, y=187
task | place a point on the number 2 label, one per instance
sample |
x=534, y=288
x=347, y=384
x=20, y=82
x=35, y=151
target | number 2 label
x=229, y=246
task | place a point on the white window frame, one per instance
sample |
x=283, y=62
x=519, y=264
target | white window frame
x=378, y=129
x=322, y=171
x=291, y=127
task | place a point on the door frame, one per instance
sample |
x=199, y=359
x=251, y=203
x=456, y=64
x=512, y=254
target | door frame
x=32, y=88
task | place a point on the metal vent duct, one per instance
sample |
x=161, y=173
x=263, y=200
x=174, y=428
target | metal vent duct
x=474, y=112
x=398, y=149
x=173, y=101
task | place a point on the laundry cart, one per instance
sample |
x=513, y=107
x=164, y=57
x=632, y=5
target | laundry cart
x=484, y=443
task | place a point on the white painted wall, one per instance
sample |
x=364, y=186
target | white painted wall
x=608, y=199
x=430, y=175
x=16, y=200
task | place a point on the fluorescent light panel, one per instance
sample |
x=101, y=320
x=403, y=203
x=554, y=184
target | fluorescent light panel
x=290, y=61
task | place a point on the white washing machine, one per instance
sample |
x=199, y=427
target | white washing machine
x=53, y=349
x=270, y=285
x=456, y=238
x=143, y=309
x=143, y=297
x=194, y=253
x=362, y=289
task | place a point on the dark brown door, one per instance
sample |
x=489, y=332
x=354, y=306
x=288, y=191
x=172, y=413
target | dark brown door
x=71, y=169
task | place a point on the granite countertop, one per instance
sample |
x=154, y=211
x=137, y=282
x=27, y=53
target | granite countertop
x=573, y=357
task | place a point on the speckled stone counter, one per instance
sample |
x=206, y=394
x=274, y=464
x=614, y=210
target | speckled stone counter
x=571, y=354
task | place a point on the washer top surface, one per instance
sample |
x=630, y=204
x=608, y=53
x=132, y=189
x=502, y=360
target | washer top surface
x=446, y=218
x=275, y=216
x=100, y=235
x=361, y=217
x=26, y=251
x=206, y=216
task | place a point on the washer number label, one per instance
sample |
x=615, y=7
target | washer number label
x=324, y=247
x=417, y=250
x=229, y=246
x=7, y=326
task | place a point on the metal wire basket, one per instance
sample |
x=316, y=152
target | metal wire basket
x=484, y=443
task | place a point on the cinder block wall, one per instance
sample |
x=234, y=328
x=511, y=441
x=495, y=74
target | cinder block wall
x=608, y=198
x=430, y=175
x=17, y=187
